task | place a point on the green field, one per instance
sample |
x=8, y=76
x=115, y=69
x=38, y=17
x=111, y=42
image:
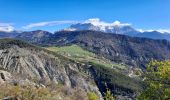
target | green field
x=77, y=53
x=73, y=51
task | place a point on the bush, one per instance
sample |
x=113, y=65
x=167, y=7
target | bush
x=157, y=79
x=51, y=92
x=109, y=95
x=92, y=96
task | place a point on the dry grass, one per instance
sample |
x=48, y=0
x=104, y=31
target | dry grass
x=52, y=92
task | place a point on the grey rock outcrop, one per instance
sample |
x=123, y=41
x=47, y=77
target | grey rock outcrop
x=28, y=63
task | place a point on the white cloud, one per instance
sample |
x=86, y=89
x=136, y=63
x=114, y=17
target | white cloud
x=50, y=23
x=7, y=27
x=98, y=22
x=94, y=21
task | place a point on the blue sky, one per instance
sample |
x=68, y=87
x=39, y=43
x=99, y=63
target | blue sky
x=143, y=14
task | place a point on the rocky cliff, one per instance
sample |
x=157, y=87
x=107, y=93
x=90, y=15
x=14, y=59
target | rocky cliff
x=21, y=62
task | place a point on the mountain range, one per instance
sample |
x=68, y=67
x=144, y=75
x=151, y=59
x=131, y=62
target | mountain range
x=118, y=28
x=114, y=46
x=86, y=57
x=132, y=51
x=24, y=64
x=96, y=25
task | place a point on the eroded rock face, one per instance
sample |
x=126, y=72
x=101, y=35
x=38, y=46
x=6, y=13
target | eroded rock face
x=4, y=76
x=29, y=64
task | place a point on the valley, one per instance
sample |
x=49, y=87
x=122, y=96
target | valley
x=23, y=64
x=84, y=50
x=88, y=62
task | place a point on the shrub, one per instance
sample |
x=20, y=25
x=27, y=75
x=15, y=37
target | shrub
x=157, y=80
x=109, y=95
x=92, y=96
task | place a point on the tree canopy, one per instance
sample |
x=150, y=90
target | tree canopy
x=157, y=78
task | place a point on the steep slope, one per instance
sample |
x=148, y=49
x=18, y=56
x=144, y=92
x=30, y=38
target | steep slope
x=108, y=75
x=23, y=63
x=118, y=48
x=26, y=62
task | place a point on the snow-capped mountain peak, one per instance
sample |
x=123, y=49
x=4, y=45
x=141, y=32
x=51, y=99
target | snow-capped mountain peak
x=97, y=25
x=98, y=22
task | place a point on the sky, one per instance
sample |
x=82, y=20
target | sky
x=52, y=15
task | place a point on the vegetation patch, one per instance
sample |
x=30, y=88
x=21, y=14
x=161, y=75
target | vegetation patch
x=77, y=53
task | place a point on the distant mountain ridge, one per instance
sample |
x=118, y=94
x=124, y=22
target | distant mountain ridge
x=34, y=36
x=117, y=28
x=93, y=25
x=154, y=35
x=120, y=48
x=11, y=34
x=133, y=51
